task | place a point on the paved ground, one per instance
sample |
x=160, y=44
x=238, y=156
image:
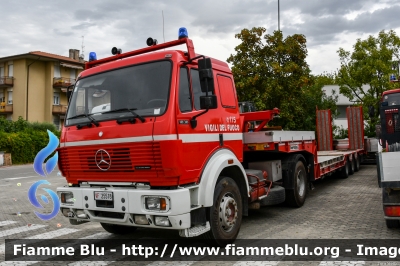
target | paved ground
x=335, y=209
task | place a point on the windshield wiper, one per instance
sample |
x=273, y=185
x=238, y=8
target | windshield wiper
x=135, y=115
x=88, y=116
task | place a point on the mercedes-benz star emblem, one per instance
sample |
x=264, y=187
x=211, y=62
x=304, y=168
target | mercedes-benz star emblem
x=103, y=160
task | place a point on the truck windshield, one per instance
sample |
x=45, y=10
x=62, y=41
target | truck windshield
x=392, y=99
x=143, y=88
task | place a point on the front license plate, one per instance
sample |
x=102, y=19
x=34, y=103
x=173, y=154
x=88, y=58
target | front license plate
x=100, y=195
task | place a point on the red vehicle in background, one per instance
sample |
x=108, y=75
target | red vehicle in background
x=389, y=156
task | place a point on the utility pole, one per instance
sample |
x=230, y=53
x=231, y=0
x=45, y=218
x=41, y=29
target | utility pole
x=279, y=19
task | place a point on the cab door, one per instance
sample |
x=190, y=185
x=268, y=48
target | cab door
x=213, y=128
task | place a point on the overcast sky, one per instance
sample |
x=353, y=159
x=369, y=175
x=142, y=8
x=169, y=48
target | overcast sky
x=56, y=26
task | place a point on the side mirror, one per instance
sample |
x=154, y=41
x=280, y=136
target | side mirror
x=208, y=102
x=206, y=75
x=70, y=90
x=371, y=111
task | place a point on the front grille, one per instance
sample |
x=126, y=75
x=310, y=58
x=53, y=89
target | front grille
x=124, y=158
x=121, y=159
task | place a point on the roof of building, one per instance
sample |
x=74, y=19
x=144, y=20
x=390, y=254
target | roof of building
x=43, y=56
x=342, y=100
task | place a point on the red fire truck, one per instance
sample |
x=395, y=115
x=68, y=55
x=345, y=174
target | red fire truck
x=154, y=138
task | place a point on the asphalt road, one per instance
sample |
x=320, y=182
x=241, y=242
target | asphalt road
x=336, y=209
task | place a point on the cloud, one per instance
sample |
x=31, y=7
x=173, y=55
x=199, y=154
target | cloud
x=56, y=26
x=83, y=25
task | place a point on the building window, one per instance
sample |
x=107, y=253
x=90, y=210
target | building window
x=56, y=121
x=57, y=72
x=2, y=98
x=56, y=98
x=342, y=112
x=1, y=71
x=10, y=70
x=10, y=100
x=72, y=74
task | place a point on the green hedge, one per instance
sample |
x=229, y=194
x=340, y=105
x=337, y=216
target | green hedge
x=23, y=139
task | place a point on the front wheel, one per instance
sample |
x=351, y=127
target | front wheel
x=225, y=215
x=118, y=229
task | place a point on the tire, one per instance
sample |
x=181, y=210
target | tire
x=351, y=165
x=297, y=196
x=357, y=163
x=225, y=216
x=275, y=196
x=118, y=229
x=392, y=223
x=344, y=171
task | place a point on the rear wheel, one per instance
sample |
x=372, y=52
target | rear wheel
x=225, y=215
x=352, y=165
x=344, y=171
x=118, y=229
x=297, y=196
x=392, y=223
x=357, y=163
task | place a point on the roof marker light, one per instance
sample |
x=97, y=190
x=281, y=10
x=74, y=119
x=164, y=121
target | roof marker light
x=92, y=56
x=183, y=33
x=150, y=41
x=116, y=51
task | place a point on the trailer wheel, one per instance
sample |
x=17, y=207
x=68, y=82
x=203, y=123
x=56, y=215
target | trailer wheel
x=225, y=215
x=118, y=229
x=344, y=171
x=297, y=196
x=392, y=223
x=357, y=163
x=352, y=165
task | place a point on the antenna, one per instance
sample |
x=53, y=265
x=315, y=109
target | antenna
x=162, y=12
x=83, y=48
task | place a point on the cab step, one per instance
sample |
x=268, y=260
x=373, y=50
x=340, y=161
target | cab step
x=195, y=230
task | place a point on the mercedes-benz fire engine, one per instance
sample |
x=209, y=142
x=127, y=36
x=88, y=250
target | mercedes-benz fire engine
x=154, y=138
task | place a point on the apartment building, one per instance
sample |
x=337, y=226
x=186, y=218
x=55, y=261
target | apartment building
x=34, y=85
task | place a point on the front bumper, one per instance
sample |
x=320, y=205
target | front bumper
x=126, y=204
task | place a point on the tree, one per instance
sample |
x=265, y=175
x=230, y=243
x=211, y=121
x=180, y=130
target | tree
x=272, y=72
x=369, y=64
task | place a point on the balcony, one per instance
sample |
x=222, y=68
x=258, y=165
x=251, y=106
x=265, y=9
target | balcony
x=6, y=82
x=6, y=108
x=59, y=109
x=62, y=82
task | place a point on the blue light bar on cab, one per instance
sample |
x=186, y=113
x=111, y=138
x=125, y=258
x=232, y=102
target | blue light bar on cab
x=183, y=33
x=92, y=56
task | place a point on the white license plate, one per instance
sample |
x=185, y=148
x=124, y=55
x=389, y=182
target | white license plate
x=100, y=195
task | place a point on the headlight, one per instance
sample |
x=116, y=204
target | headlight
x=141, y=219
x=67, y=197
x=81, y=214
x=156, y=203
x=162, y=221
